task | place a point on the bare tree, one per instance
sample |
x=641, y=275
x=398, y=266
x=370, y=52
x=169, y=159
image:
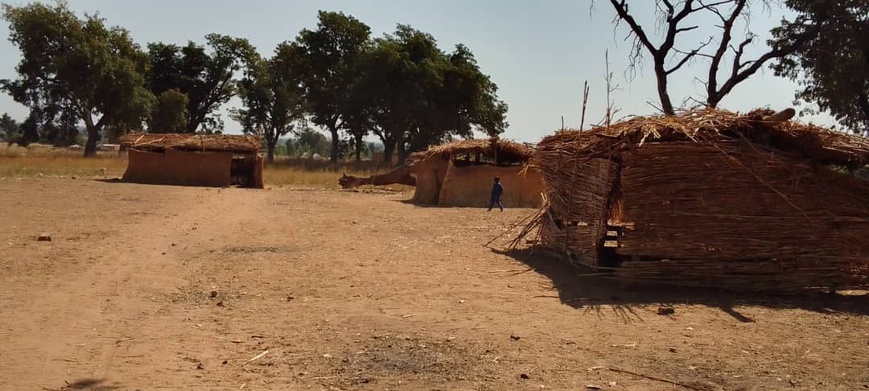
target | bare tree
x=674, y=20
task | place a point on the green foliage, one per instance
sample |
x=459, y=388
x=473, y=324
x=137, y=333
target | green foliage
x=832, y=66
x=414, y=95
x=273, y=97
x=308, y=141
x=170, y=113
x=76, y=69
x=9, y=129
x=205, y=76
x=330, y=56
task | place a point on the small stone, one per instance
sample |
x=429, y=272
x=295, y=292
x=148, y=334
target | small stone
x=327, y=356
x=666, y=311
x=43, y=238
x=515, y=337
x=593, y=387
x=220, y=303
x=672, y=350
x=225, y=362
x=213, y=293
x=524, y=376
x=199, y=366
x=290, y=298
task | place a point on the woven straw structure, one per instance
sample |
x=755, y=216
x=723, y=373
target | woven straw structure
x=710, y=199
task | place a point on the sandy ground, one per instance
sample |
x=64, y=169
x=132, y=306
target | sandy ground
x=154, y=287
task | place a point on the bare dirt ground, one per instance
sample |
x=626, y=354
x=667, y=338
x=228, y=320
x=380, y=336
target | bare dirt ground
x=153, y=287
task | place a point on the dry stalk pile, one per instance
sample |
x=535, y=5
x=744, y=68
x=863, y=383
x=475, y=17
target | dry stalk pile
x=709, y=198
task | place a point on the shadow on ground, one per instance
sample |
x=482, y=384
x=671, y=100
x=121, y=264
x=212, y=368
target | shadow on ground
x=597, y=292
x=89, y=385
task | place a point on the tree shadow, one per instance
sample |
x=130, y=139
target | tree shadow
x=89, y=385
x=593, y=292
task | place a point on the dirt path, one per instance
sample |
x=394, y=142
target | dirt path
x=330, y=290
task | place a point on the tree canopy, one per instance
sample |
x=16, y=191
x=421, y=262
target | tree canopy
x=77, y=69
x=273, y=98
x=832, y=67
x=205, y=76
x=9, y=129
x=400, y=87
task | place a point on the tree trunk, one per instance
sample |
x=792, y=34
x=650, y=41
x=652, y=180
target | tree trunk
x=90, y=148
x=333, y=155
x=358, y=138
x=270, y=150
x=661, y=74
x=400, y=149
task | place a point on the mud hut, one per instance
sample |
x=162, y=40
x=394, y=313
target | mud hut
x=710, y=199
x=194, y=160
x=460, y=174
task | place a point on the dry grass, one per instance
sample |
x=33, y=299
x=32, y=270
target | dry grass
x=45, y=161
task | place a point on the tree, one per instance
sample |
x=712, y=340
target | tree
x=419, y=96
x=9, y=129
x=331, y=54
x=206, y=77
x=726, y=50
x=833, y=66
x=77, y=67
x=311, y=141
x=170, y=113
x=273, y=97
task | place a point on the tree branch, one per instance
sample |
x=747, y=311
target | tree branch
x=622, y=10
x=726, y=37
x=689, y=56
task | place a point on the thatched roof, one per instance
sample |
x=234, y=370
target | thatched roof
x=192, y=142
x=491, y=149
x=761, y=127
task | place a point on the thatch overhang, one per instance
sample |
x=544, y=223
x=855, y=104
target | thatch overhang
x=157, y=142
x=494, y=150
x=761, y=127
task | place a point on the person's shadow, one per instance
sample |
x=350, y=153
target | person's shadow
x=595, y=292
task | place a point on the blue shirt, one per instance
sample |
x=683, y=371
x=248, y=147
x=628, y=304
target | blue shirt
x=497, y=190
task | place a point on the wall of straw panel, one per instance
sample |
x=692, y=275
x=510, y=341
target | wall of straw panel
x=471, y=186
x=179, y=168
x=728, y=202
x=730, y=216
x=430, y=174
x=578, y=189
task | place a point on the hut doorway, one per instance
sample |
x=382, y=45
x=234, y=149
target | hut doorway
x=241, y=170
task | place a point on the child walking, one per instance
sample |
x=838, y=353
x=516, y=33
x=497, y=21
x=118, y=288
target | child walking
x=497, y=190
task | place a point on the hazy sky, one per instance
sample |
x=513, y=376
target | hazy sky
x=539, y=53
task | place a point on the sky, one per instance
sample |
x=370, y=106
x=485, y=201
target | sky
x=539, y=53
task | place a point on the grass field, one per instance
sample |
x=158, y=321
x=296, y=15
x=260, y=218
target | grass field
x=45, y=161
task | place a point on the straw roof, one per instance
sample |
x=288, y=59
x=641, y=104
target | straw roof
x=809, y=142
x=492, y=149
x=192, y=142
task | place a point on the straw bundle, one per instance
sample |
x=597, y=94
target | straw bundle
x=740, y=202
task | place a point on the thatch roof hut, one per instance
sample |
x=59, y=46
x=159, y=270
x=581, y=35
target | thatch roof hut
x=712, y=199
x=194, y=159
x=460, y=174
